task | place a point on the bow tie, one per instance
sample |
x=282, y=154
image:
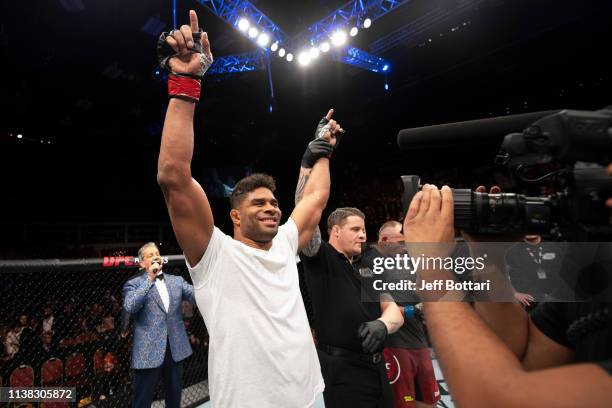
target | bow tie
x=160, y=276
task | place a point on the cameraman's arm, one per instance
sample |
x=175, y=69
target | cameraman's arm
x=530, y=346
x=471, y=353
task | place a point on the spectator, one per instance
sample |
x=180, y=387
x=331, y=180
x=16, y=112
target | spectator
x=48, y=320
x=11, y=343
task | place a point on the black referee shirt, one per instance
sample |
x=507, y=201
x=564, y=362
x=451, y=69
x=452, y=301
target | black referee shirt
x=335, y=291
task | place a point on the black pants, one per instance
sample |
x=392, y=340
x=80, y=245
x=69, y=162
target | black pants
x=145, y=383
x=351, y=382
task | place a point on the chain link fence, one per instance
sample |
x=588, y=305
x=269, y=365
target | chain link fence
x=62, y=324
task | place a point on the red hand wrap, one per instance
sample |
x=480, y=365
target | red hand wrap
x=184, y=88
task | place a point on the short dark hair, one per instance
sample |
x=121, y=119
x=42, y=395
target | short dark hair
x=339, y=216
x=248, y=184
x=389, y=224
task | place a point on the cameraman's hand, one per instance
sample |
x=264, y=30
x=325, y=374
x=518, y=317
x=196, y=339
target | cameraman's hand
x=430, y=220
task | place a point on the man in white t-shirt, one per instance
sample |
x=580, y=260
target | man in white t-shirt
x=246, y=287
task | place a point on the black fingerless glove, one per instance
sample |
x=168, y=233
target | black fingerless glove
x=316, y=149
x=319, y=147
x=165, y=51
x=373, y=335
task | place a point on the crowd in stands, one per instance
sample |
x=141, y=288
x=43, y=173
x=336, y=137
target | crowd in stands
x=69, y=328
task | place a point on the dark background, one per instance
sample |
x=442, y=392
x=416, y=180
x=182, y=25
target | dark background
x=85, y=81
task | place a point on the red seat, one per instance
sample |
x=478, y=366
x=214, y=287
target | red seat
x=54, y=405
x=74, y=371
x=51, y=372
x=22, y=376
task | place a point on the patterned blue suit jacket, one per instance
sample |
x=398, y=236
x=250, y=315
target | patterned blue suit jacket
x=152, y=325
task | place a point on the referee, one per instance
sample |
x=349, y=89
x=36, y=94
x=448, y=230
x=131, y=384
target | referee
x=350, y=333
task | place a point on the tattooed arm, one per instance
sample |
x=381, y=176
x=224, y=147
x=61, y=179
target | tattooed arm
x=312, y=246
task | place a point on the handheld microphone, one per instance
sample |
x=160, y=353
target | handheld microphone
x=156, y=264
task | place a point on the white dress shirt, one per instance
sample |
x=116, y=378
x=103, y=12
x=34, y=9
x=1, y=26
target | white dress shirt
x=163, y=292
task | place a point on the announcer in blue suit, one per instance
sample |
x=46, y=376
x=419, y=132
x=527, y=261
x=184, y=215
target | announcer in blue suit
x=153, y=299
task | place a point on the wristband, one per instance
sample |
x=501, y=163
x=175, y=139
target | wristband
x=183, y=87
x=409, y=311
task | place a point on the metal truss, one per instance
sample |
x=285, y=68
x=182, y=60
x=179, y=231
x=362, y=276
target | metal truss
x=361, y=59
x=232, y=64
x=232, y=10
x=349, y=14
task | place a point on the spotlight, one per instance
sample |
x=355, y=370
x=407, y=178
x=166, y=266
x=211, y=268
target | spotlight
x=289, y=57
x=386, y=86
x=338, y=38
x=353, y=31
x=385, y=67
x=274, y=47
x=304, y=58
x=19, y=136
x=314, y=53
x=281, y=52
x=324, y=46
x=263, y=39
x=243, y=24
x=253, y=32
x=367, y=23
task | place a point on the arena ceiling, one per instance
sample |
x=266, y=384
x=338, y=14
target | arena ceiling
x=79, y=84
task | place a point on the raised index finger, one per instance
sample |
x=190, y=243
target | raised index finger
x=329, y=114
x=193, y=21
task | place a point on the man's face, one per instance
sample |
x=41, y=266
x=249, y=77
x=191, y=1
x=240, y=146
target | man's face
x=259, y=215
x=23, y=320
x=48, y=312
x=150, y=254
x=350, y=235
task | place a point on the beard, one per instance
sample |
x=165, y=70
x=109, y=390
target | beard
x=258, y=233
x=262, y=235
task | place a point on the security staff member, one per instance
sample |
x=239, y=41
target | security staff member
x=350, y=333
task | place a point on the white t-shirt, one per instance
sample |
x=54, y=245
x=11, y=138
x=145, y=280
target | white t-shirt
x=261, y=350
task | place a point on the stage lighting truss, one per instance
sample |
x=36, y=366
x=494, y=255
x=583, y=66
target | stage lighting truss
x=237, y=63
x=350, y=19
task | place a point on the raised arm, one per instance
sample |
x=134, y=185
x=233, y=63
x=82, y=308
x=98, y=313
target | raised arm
x=313, y=185
x=188, y=206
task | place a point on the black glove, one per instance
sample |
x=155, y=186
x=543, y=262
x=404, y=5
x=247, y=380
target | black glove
x=165, y=51
x=316, y=149
x=373, y=335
